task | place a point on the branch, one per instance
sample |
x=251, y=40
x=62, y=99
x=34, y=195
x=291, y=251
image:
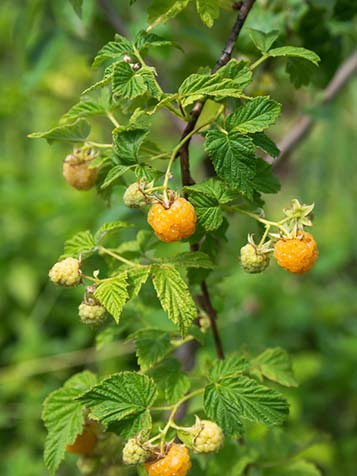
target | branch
x=205, y=299
x=306, y=123
x=244, y=9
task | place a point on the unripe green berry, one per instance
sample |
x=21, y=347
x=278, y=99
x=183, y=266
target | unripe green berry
x=92, y=314
x=253, y=260
x=208, y=438
x=134, y=196
x=66, y=272
x=134, y=453
x=87, y=465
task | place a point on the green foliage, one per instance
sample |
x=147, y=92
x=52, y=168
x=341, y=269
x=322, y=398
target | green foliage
x=48, y=66
x=63, y=417
x=174, y=296
x=113, y=294
x=76, y=132
x=123, y=395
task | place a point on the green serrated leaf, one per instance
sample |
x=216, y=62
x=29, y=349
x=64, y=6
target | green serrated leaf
x=131, y=426
x=265, y=144
x=228, y=81
x=232, y=366
x=107, y=79
x=112, y=294
x=231, y=399
x=127, y=144
x=174, y=296
x=233, y=157
x=122, y=395
x=254, y=116
x=152, y=346
x=83, y=109
x=160, y=11
x=275, y=364
x=208, y=11
x=264, y=180
x=114, y=50
x=263, y=40
x=113, y=175
x=207, y=198
x=110, y=227
x=137, y=277
x=295, y=52
x=221, y=406
x=82, y=244
x=127, y=83
x=300, y=71
x=173, y=383
x=192, y=259
x=145, y=40
x=76, y=132
x=63, y=417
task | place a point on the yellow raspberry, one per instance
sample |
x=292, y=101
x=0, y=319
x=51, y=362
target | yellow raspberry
x=174, y=223
x=176, y=463
x=78, y=174
x=297, y=255
x=209, y=437
x=85, y=442
x=66, y=272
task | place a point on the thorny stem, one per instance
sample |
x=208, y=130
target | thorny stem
x=243, y=11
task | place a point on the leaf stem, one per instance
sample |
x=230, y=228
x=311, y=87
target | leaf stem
x=99, y=145
x=112, y=119
x=174, y=155
x=176, y=406
x=259, y=61
x=117, y=257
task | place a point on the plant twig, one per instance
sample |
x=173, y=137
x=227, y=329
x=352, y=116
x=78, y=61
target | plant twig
x=244, y=9
x=205, y=299
x=306, y=123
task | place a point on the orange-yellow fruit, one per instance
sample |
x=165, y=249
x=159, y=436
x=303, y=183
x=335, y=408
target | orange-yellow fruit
x=176, y=463
x=174, y=223
x=297, y=255
x=78, y=173
x=85, y=442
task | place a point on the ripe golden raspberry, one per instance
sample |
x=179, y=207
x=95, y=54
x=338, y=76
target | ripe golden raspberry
x=174, y=223
x=297, y=255
x=209, y=437
x=77, y=171
x=176, y=463
x=66, y=272
x=85, y=442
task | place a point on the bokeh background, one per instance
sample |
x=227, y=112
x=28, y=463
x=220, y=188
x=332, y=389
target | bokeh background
x=45, y=53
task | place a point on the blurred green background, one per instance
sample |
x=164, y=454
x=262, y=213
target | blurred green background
x=45, y=52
